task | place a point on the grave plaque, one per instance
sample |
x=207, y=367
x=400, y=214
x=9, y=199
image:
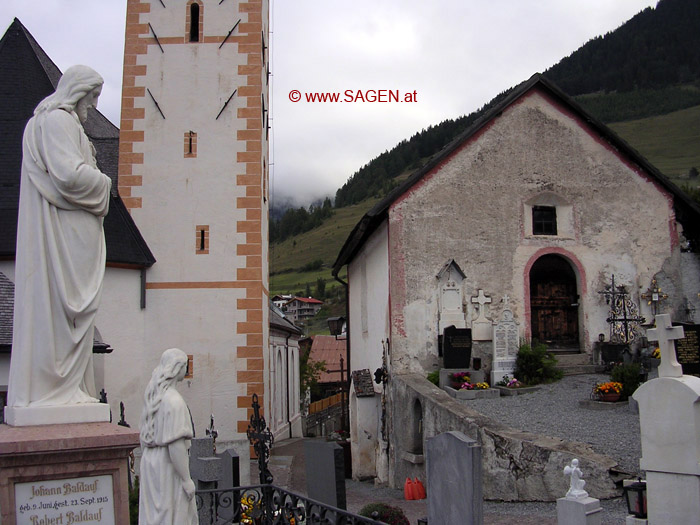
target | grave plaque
x=457, y=347
x=506, y=341
x=688, y=349
x=76, y=500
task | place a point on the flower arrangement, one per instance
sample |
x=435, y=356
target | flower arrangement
x=460, y=377
x=481, y=386
x=611, y=387
x=251, y=509
x=509, y=382
x=656, y=354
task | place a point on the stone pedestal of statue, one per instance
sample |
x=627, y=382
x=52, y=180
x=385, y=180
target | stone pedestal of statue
x=55, y=415
x=65, y=473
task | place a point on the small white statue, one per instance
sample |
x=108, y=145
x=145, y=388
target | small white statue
x=60, y=260
x=166, y=494
x=576, y=484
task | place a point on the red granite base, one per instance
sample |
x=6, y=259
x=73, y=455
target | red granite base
x=73, y=466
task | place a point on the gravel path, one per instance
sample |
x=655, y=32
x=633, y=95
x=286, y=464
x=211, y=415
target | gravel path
x=554, y=410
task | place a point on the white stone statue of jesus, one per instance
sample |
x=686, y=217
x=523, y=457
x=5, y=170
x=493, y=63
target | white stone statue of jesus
x=60, y=260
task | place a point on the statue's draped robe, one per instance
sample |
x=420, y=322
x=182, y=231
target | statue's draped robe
x=60, y=263
x=162, y=499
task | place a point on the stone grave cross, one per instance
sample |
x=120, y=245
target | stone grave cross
x=665, y=334
x=482, y=300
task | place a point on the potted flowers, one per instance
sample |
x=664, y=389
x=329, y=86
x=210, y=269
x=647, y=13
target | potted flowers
x=457, y=379
x=608, y=391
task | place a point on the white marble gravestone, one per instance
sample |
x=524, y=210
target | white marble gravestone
x=450, y=280
x=669, y=413
x=482, y=328
x=506, y=341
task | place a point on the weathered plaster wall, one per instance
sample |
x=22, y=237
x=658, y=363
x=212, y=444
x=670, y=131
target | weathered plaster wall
x=475, y=208
x=690, y=270
x=368, y=276
x=517, y=466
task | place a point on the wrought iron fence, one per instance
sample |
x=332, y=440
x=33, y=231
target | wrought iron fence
x=269, y=505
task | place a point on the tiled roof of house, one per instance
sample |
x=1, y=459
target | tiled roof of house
x=279, y=321
x=28, y=75
x=307, y=300
x=329, y=349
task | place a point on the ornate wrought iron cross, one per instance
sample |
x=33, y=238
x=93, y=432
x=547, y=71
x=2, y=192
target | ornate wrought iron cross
x=624, y=318
x=653, y=296
x=261, y=439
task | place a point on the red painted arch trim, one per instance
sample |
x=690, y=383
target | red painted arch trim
x=578, y=270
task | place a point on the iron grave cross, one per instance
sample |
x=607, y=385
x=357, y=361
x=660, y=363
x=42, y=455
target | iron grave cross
x=665, y=334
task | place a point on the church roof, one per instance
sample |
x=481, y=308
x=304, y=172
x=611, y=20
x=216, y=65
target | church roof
x=28, y=75
x=687, y=211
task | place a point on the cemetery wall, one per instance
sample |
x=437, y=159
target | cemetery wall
x=517, y=466
x=474, y=208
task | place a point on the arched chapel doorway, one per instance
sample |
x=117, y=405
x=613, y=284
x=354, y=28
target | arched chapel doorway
x=554, y=301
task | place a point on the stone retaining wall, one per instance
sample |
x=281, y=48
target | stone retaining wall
x=517, y=466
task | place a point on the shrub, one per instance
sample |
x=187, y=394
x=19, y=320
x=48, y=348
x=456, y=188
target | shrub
x=534, y=365
x=386, y=513
x=628, y=375
x=434, y=377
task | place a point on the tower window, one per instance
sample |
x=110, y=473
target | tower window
x=194, y=16
x=190, y=144
x=202, y=239
x=544, y=220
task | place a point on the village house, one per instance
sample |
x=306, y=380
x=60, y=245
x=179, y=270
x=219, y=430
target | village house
x=533, y=209
x=301, y=308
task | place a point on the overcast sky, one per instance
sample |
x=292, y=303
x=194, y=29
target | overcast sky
x=456, y=55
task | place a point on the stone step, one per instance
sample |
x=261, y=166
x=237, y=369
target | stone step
x=564, y=360
x=580, y=369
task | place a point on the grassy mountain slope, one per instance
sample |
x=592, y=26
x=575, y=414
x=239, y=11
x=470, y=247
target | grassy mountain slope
x=670, y=142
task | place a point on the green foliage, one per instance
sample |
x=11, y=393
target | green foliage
x=309, y=373
x=320, y=288
x=385, y=513
x=434, y=377
x=299, y=220
x=693, y=193
x=312, y=266
x=657, y=47
x=534, y=365
x=134, y=503
x=628, y=375
x=640, y=103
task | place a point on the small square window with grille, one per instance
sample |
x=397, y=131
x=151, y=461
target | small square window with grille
x=544, y=220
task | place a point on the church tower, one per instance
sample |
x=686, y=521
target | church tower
x=193, y=171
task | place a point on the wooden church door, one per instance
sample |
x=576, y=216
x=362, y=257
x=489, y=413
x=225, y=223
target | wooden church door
x=554, y=302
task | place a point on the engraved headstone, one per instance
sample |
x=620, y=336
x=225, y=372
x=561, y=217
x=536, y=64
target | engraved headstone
x=457, y=347
x=451, y=309
x=688, y=349
x=506, y=341
x=481, y=326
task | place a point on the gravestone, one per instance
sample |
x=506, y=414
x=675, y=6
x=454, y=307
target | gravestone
x=481, y=326
x=506, y=341
x=688, y=349
x=455, y=494
x=669, y=414
x=451, y=309
x=457, y=347
x=211, y=470
x=325, y=472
